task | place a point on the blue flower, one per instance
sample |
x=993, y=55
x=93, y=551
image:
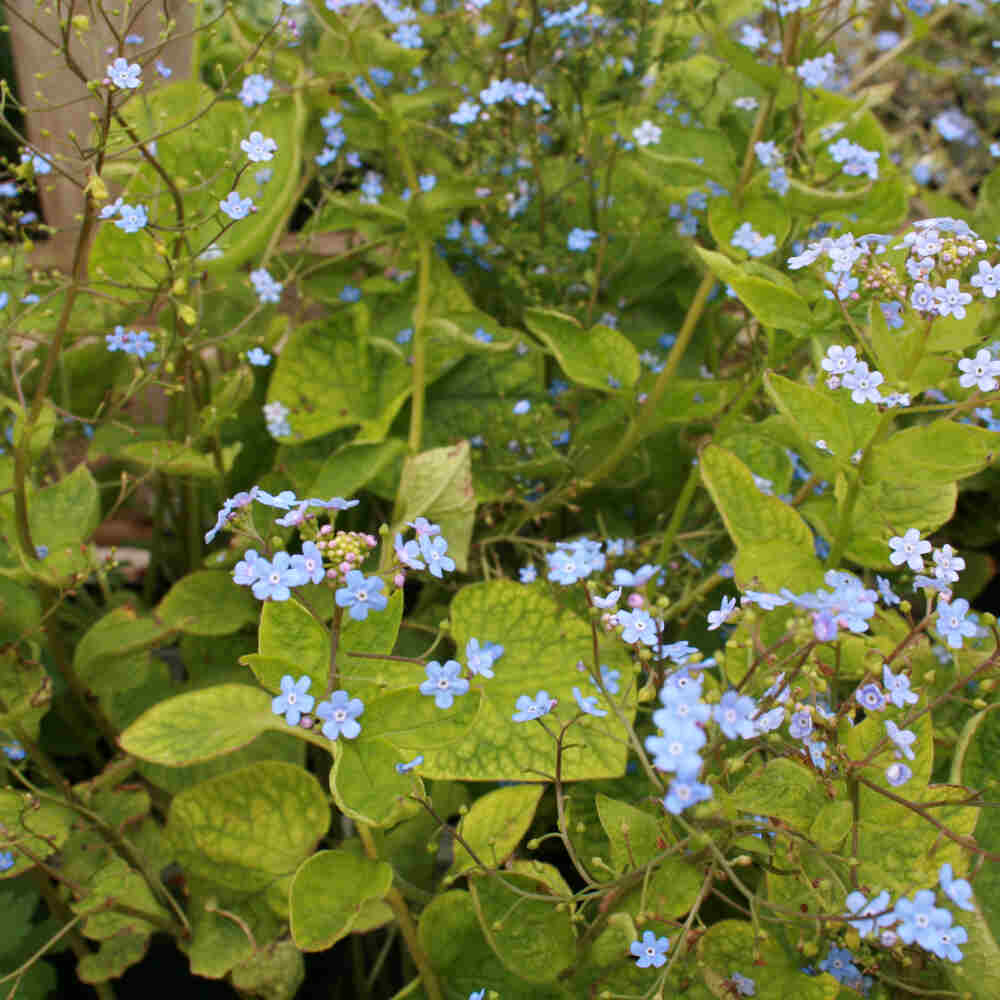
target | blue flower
x=580, y=239
x=444, y=682
x=236, y=207
x=862, y=909
x=132, y=218
x=481, y=658
x=745, y=986
x=801, y=725
x=638, y=626
x=650, y=951
x=685, y=792
x=258, y=148
x=293, y=700
x=952, y=624
x=434, y=549
x=408, y=553
x=340, y=714
x=909, y=548
x=898, y=686
x=734, y=714
x=527, y=574
x=14, y=751
x=609, y=678
x=920, y=920
x=897, y=773
x=678, y=750
x=275, y=578
x=267, y=289
x=870, y=698
x=902, y=738
x=522, y=406
x=349, y=294
x=405, y=768
x=529, y=708
x=588, y=704
x=725, y=612
x=478, y=994
x=256, y=89
x=6, y=860
x=609, y=601
x=124, y=74
x=956, y=889
x=259, y=357
x=361, y=595
x=310, y=562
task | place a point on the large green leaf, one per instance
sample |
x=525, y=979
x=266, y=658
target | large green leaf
x=941, y=451
x=409, y=720
x=328, y=893
x=633, y=834
x=758, y=523
x=62, y=517
x=772, y=303
x=246, y=829
x=588, y=357
x=451, y=935
x=334, y=373
x=366, y=785
x=25, y=692
x=494, y=826
x=530, y=936
x=543, y=642
x=199, y=725
x=782, y=788
x=352, y=467
x=41, y=828
x=437, y=484
x=207, y=602
x=734, y=946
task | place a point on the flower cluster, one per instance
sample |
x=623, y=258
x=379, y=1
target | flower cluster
x=846, y=370
x=429, y=550
x=339, y=713
x=138, y=344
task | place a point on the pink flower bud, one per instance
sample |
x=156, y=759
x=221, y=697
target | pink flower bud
x=636, y=600
x=399, y=579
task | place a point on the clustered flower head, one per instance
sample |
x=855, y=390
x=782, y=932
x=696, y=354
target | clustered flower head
x=137, y=344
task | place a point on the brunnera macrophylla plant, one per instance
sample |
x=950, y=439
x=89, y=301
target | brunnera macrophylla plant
x=499, y=497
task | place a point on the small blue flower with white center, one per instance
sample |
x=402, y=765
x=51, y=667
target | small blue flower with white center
x=258, y=148
x=638, y=626
x=236, y=207
x=522, y=406
x=349, y=294
x=800, y=725
x=294, y=700
x=340, y=715
x=529, y=709
x=870, y=697
x=650, y=951
x=361, y=595
x=919, y=919
x=275, y=579
x=527, y=574
x=952, y=624
x=434, y=549
x=14, y=751
x=683, y=793
x=125, y=75
x=901, y=738
x=6, y=861
x=588, y=703
x=480, y=659
x=734, y=714
x=483, y=337
x=405, y=768
x=259, y=357
x=677, y=751
x=956, y=889
x=444, y=682
x=898, y=686
x=132, y=218
x=310, y=562
x=256, y=90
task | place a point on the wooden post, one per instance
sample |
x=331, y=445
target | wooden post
x=57, y=100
